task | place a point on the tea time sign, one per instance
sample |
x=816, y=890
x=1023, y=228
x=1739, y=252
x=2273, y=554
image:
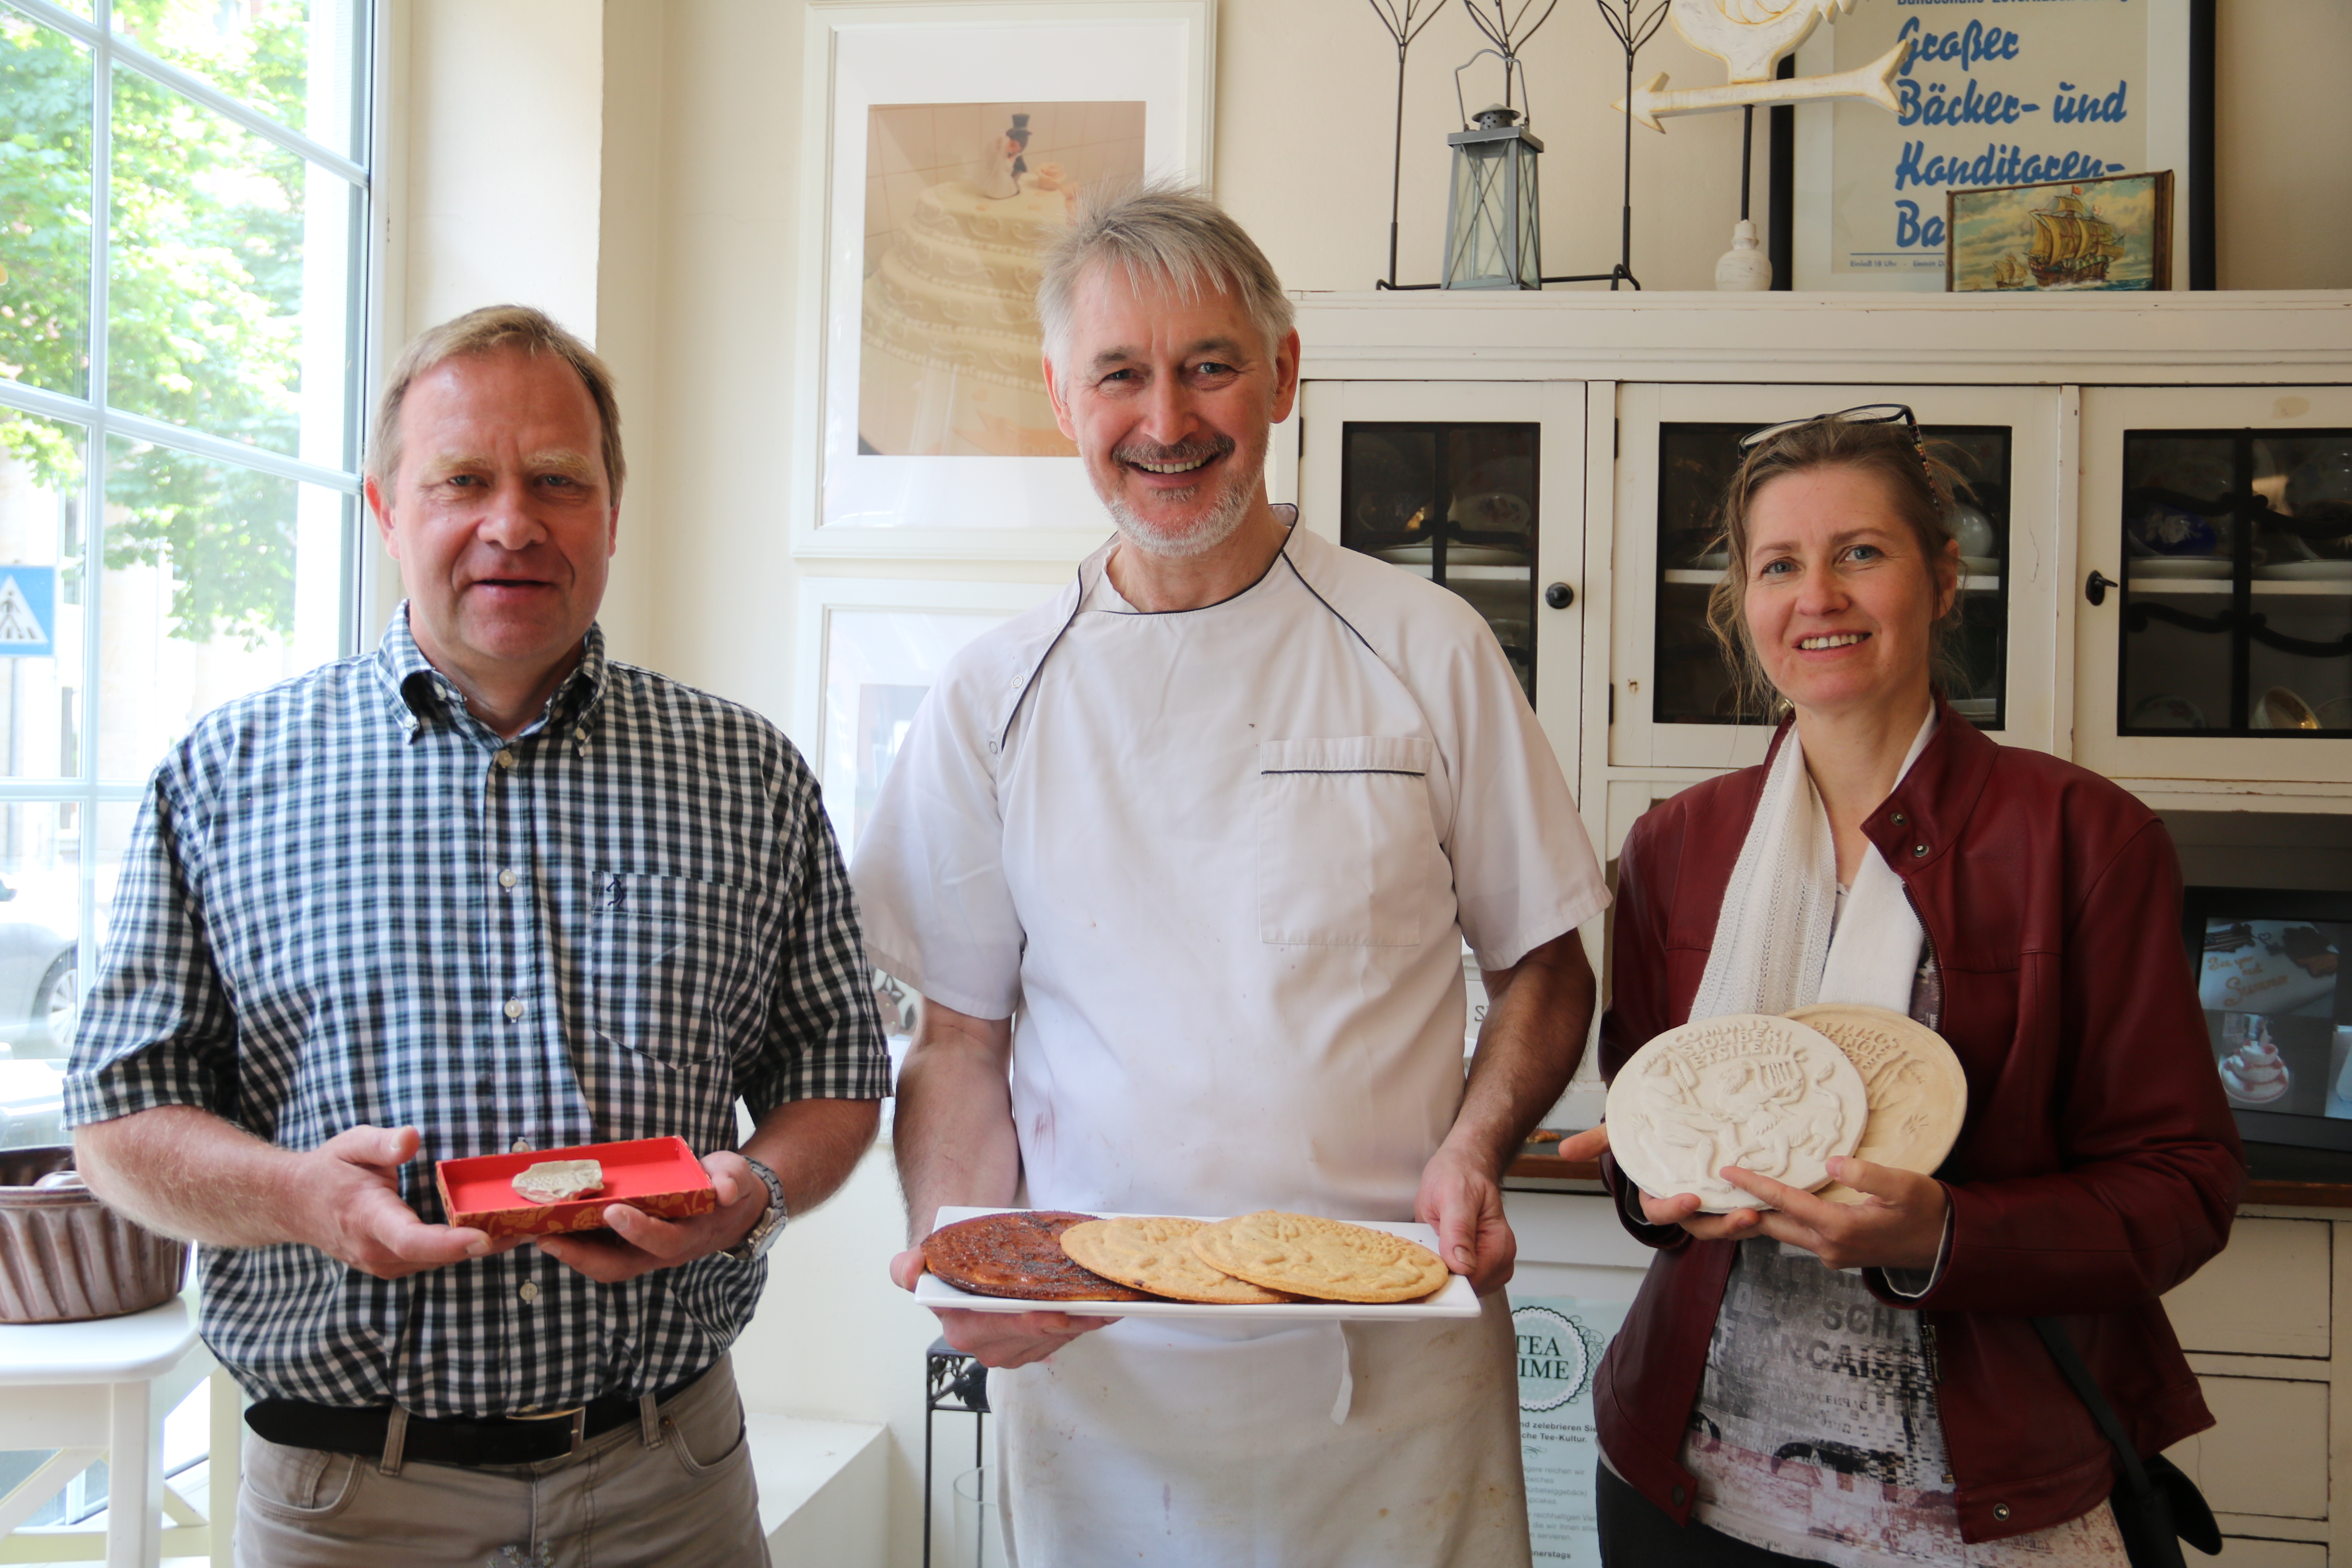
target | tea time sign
x=1994, y=93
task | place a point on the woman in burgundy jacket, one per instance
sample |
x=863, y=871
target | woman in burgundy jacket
x=1862, y=1383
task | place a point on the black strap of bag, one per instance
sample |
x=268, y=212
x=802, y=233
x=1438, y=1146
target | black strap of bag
x=2157, y=1506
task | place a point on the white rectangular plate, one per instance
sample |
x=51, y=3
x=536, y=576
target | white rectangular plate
x=1457, y=1300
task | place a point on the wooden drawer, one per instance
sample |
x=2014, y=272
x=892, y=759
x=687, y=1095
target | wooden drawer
x=2238, y=1551
x=2266, y=1295
x=2267, y=1452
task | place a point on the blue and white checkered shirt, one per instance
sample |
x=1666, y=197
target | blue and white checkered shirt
x=348, y=901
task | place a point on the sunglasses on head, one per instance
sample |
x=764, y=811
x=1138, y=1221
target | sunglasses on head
x=1867, y=414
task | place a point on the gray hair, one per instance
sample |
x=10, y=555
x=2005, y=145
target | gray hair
x=1165, y=234
x=483, y=332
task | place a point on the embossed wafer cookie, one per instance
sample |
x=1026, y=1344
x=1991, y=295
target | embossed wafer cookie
x=1767, y=1094
x=1329, y=1259
x=559, y=1181
x=1017, y=1254
x=1156, y=1255
x=1918, y=1092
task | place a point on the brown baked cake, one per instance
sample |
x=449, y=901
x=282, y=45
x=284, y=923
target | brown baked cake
x=1018, y=1255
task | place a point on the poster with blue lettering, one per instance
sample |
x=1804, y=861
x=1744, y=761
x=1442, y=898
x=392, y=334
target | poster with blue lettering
x=1560, y=1339
x=1996, y=92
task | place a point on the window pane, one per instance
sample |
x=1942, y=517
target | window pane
x=40, y=598
x=294, y=60
x=40, y=923
x=45, y=199
x=229, y=278
x=219, y=581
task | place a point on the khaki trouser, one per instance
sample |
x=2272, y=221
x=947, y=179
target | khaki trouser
x=617, y=1504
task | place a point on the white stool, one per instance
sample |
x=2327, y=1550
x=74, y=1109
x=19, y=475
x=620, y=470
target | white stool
x=100, y=1391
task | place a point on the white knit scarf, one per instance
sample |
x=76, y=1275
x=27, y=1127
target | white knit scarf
x=1781, y=941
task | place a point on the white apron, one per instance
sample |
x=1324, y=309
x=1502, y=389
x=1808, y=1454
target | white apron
x=1216, y=867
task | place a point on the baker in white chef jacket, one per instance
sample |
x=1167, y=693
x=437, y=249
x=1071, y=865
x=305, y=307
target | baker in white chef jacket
x=1182, y=863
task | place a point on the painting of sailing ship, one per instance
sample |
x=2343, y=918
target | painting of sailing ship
x=2068, y=235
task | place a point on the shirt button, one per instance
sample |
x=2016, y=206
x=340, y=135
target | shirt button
x=2001, y=1512
x=1917, y=850
x=580, y=732
x=530, y=1292
x=1677, y=1496
x=506, y=759
x=1900, y=820
x=507, y=879
x=514, y=1008
x=519, y=1146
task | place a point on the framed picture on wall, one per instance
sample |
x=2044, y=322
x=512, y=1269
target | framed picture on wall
x=2114, y=232
x=870, y=649
x=943, y=148
x=1995, y=95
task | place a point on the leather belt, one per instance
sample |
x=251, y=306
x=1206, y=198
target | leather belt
x=484, y=1440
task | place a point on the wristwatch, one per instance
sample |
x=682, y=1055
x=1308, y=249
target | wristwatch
x=771, y=1224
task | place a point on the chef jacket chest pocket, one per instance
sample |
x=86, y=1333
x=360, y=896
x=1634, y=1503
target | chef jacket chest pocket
x=664, y=957
x=1348, y=851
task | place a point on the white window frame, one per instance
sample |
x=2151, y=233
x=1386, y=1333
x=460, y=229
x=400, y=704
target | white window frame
x=98, y=421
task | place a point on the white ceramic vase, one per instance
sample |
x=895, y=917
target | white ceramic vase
x=1743, y=268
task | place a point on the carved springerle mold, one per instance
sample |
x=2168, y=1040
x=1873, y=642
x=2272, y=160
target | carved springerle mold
x=1763, y=1093
x=1917, y=1089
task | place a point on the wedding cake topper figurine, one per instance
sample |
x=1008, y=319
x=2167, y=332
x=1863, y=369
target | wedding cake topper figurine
x=1009, y=164
x=1751, y=37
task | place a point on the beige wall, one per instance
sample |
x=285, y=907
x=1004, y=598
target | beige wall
x=2283, y=153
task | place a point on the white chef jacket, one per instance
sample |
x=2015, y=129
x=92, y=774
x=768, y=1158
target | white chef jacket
x=1220, y=863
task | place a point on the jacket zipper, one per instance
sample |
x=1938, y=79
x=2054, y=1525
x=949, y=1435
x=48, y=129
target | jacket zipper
x=1929, y=938
x=1927, y=1327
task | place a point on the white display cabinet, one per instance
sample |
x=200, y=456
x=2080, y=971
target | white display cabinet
x=2064, y=376
x=2217, y=538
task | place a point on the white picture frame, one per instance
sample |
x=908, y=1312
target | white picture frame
x=851, y=504
x=1838, y=203
x=867, y=647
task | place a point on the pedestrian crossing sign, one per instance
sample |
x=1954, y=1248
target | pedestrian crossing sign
x=28, y=601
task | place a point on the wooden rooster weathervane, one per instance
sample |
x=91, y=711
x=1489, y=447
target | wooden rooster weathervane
x=1751, y=37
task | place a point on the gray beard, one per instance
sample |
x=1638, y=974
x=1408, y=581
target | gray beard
x=1232, y=508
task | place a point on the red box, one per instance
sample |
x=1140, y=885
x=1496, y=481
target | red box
x=658, y=1175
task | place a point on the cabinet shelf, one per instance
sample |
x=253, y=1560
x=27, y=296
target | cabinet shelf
x=2218, y=587
x=1686, y=577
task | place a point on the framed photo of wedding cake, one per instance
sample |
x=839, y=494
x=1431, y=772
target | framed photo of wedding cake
x=944, y=148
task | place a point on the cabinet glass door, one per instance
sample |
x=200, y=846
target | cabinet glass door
x=1478, y=487
x=1678, y=699
x=1456, y=503
x=1694, y=681
x=2212, y=602
x=2237, y=584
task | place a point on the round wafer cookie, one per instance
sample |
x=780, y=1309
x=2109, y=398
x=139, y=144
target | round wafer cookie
x=1156, y=1255
x=1327, y=1259
x=1918, y=1092
x=1768, y=1094
x=1017, y=1253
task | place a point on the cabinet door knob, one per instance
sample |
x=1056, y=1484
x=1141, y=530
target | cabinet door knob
x=2095, y=589
x=1559, y=596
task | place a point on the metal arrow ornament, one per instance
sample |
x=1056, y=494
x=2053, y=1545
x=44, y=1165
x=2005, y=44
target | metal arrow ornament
x=1751, y=36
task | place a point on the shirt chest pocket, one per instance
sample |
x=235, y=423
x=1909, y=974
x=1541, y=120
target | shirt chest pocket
x=666, y=968
x=1348, y=851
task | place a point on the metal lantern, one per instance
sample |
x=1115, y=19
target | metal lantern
x=1491, y=223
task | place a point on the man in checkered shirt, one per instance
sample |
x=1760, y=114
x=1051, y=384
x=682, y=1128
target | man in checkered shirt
x=482, y=890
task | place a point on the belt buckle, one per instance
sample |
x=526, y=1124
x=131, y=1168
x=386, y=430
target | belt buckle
x=577, y=1415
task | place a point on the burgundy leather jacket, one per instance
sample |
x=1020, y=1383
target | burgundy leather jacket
x=2098, y=1166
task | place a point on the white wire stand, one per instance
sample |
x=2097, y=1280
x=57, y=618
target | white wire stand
x=100, y=1390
